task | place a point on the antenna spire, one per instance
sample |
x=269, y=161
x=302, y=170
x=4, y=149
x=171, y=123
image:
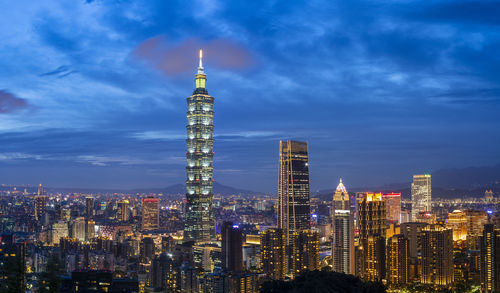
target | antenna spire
x=200, y=67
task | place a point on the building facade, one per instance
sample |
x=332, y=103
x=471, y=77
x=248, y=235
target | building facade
x=437, y=256
x=420, y=195
x=273, y=260
x=343, y=231
x=199, y=222
x=293, y=188
x=150, y=213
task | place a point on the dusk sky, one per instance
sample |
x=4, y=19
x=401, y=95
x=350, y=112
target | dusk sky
x=93, y=93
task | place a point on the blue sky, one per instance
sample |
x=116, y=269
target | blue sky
x=93, y=93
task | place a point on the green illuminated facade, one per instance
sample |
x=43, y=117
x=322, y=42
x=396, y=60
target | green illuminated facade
x=199, y=223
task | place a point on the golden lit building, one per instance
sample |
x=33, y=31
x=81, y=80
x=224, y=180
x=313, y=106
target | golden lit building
x=293, y=188
x=437, y=255
x=372, y=227
x=273, y=253
x=374, y=257
x=305, y=251
x=457, y=220
x=490, y=259
x=398, y=258
x=371, y=215
x=122, y=214
x=476, y=220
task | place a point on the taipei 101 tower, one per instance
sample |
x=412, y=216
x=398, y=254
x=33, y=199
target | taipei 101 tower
x=199, y=222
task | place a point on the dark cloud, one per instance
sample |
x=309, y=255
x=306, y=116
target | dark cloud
x=180, y=57
x=10, y=103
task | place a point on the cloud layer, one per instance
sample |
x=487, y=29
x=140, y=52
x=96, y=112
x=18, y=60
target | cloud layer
x=380, y=90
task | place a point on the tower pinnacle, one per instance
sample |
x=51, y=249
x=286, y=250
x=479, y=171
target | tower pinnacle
x=200, y=67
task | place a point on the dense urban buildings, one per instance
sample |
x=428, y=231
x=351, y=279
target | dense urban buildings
x=293, y=188
x=420, y=195
x=200, y=222
x=202, y=240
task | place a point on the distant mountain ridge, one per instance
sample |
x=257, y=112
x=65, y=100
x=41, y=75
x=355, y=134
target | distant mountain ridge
x=175, y=189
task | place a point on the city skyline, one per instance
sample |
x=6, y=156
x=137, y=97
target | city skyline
x=104, y=107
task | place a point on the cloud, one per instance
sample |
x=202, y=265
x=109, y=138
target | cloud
x=10, y=103
x=177, y=58
x=60, y=72
x=18, y=156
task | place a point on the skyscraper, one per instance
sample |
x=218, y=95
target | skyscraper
x=437, y=255
x=305, y=251
x=393, y=206
x=89, y=201
x=200, y=224
x=398, y=263
x=490, y=259
x=273, y=253
x=122, y=213
x=420, y=195
x=150, y=213
x=293, y=188
x=232, y=250
x=372, y=227
x=343, y=231
x=40, y=203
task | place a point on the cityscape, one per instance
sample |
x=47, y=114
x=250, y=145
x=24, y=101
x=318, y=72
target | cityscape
x=284, y=222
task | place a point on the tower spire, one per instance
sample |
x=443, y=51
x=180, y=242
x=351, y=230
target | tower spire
x=200, y=67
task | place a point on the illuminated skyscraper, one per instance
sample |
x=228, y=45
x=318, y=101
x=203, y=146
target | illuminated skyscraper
x=343, y=231
x=273, y=253
x=40, y=203
x=293, y=188
x=371, y=215
x=398, y=260
x=476, y=220
x=89, y=201
x=200, y=223
x=420, y=195
x=490, y=259
x=150, y=213
x=457, y=221
x=122, y=213
x=372, y=227
x=393, y=206
x=437, y=255
x=305, y=251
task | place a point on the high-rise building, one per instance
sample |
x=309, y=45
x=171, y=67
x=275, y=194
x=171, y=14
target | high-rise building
x=371, y=215
x=374, y=247
x=40, y=203
x=490, y=259
x=78, y=228
x=199, y=222
x=475, y=224
x=412, y=231
x=293, y=188
x=393, y=206
x=150, y=213
x=89, y=201
x=122, y=214
x=457, y=221
x=305, y=251
x=372, y=227
x=398, y=255
x=232, y=250
x=343, y=231
x=437, y=255
x=273, y=253
x=420, y=195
